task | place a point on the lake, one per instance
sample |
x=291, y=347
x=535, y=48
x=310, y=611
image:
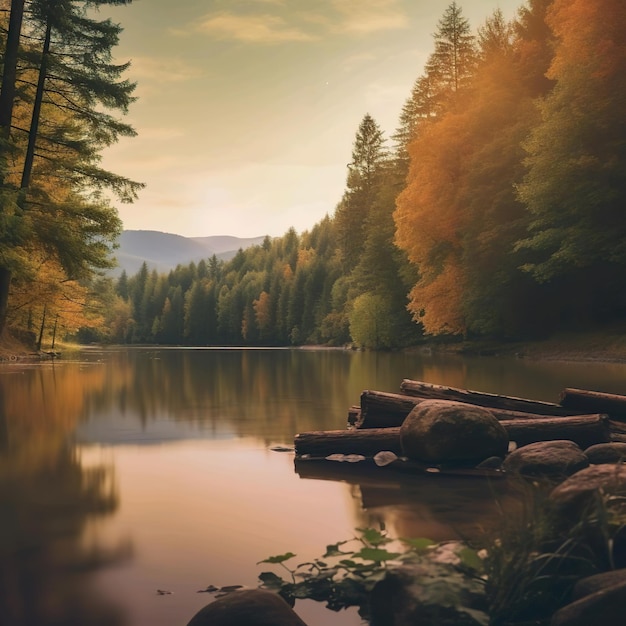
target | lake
x=127, y=471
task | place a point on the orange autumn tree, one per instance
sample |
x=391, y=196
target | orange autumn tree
x=429, y=225
x=459, y=218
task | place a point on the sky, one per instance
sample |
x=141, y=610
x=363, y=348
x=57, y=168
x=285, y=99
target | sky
x=247, y=110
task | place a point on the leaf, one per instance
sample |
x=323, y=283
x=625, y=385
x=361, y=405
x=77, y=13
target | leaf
x=471, y=560
x=280, y=558
x=419, y=544
x=373, y=537
x=333, y=549
x=269, y=579
x=376, y=554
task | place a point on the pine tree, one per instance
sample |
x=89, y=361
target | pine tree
x=368, y=156
x=451, y=65
x=74, y=85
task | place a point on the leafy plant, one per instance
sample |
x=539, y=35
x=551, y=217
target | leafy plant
x=348, y=571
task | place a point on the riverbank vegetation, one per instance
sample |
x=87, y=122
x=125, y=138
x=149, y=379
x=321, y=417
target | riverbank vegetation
x=521, y=573
x=493, y=215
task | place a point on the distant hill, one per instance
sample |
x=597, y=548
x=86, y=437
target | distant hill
x=164, y=251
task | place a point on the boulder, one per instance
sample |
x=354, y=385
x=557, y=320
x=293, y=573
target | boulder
x=456, y=433
x=249, y=607
x=605, y=607
x=558, y=458
x=598, y=582
x=580, y=489
x=601, y=453
x=585, y=500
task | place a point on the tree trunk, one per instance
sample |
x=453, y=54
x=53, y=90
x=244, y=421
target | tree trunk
x=42, y=328
x=380, y=409
x=583, y=400
x=488, y=400
x=9, y=74
x=322, y=443
x=34, y=124
x=5, y=283
x=585, y=430
x=7, y=97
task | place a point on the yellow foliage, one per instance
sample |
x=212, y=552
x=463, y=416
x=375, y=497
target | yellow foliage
x=65, y=301
x=262, y=310
x=305, y=257
x=437, y=302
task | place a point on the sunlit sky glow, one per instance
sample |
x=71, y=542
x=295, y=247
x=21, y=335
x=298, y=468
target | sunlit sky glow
x=247, y=109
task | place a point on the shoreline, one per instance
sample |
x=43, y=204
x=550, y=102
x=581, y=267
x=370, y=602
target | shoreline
x=604, y=346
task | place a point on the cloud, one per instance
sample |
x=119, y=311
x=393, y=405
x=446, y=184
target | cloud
x=252, y=28
x=363, y=17
x=164, y=69
x=279, y=25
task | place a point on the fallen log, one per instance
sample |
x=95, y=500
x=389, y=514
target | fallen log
x=594, y=402
x=322, y=443
x=585, y=430
x=380, y=409
x=489, y=400
x=354, y=415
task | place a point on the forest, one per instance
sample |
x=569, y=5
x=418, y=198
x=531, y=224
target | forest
x=495, y=210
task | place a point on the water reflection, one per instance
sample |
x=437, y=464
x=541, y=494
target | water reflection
x=169, y=447
x=46, y=499
x=437, y=507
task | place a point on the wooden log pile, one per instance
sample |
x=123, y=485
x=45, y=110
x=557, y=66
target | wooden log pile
x=585, y=417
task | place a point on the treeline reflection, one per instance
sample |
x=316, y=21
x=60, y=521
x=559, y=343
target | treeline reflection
x=46, y=499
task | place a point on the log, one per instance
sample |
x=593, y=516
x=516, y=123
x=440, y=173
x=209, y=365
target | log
x=489, y=400
x=380, y=409
x=322, y=443
x=585, y=430
x=354, y=415
x=586, y=401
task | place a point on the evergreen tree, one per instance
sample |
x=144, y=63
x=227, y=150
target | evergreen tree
x=575, y=188
x=451, y=65
x=368, y=156
x=60, y=207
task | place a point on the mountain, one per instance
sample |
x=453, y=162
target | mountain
x=164, y=251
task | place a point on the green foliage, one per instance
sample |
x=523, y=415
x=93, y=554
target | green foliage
x=370, y=322
x=534, y=560
x=348, y=571
x=59, y=98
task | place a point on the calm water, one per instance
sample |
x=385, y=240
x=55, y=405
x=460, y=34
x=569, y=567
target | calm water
x=127, y=471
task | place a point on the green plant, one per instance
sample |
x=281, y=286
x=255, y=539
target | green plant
x=536, y=557
x=348, y=571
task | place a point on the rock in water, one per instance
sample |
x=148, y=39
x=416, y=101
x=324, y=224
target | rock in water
x=250, y=607
x=442, y=431
x=557, y=459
